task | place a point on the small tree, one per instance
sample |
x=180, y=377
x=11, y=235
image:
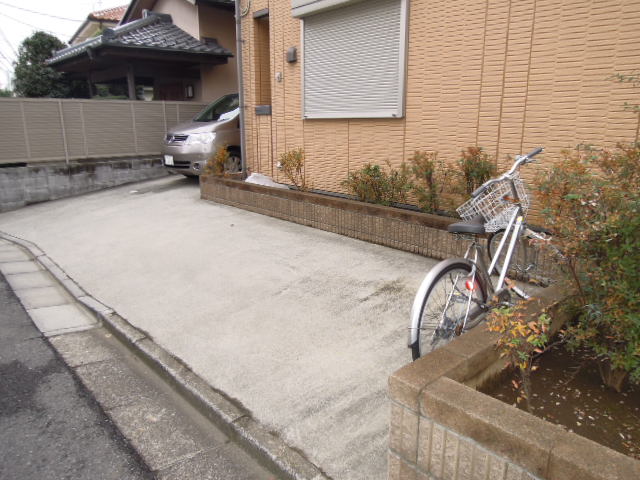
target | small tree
x=5, y=92
x=34, y=78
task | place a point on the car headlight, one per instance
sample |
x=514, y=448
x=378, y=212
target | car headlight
x=203, y=138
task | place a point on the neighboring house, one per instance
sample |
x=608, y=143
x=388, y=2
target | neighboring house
x=178, y=49
x=354, y=82
x=96, y=22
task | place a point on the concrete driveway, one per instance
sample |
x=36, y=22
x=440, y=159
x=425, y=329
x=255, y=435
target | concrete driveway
x=303, y=327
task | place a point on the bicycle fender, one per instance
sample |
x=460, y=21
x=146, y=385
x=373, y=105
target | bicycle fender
x=416, y=308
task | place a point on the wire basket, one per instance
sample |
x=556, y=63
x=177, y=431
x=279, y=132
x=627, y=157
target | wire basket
x=495, y=204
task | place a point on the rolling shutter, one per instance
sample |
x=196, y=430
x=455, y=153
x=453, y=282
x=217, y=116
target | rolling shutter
x=354, y=61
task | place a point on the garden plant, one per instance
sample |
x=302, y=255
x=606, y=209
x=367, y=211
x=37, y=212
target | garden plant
x=591, y=200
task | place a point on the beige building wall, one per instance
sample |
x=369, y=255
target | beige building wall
x=205, y=21
x=504, y=75
x=220, y=24
x=183, y=13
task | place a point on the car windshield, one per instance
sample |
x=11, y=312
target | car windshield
x=221, y=106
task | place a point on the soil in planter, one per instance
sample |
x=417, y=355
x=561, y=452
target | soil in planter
x=567, y=390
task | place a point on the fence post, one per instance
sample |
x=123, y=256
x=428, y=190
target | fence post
x=26, y=132
x=135, y=127
x=64, y=132
x=164, y=114
x=84, y=130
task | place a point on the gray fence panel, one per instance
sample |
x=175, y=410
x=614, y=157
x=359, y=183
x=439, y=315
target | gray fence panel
x=44, y=130
x=109, y=128
x=74, y=129
x=187, y=111
x=149, y=122
x=13, y=139
x=41, y=130
x=171, y=111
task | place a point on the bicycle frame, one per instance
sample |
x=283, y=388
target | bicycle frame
x=514, y=230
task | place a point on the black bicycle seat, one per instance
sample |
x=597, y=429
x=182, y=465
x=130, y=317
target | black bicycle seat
x=474, y=226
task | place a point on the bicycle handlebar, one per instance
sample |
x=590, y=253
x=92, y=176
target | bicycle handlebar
x=520, y=160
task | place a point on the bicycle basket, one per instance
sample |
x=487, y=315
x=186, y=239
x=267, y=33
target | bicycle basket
x=493, y=204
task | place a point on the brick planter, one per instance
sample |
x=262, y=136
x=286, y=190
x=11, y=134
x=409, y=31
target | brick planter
x=402, y=229
x=407, y=230
x=442, y=428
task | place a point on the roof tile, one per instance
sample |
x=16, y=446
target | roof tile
x=114, y=14
x=154, y=31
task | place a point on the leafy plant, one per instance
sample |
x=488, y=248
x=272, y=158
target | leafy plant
x=432, y=181
x=292, y=165
x=591, y=200
x=522, y=339
x=216, y=163
x=372, y=184
x=476, y=167
x=634, y=80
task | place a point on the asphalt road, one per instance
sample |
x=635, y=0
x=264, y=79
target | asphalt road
x=51, y=427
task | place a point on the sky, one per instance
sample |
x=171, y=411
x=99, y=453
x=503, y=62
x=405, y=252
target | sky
x=20, y=18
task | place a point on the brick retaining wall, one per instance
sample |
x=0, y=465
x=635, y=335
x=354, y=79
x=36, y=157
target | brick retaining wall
x=402, y=229
x=407, y=230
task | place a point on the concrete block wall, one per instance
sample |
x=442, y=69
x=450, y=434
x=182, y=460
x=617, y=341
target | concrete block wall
x=23, y=185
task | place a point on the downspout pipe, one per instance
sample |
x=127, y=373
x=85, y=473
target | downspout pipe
x=239, y=42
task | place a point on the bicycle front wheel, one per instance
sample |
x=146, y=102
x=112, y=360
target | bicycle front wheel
x=453, y=302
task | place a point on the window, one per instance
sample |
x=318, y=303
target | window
x=354, y=58
x=262, y=66
x=214, y=111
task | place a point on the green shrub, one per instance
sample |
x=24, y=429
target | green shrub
x=476, y=168
x=591, y=200
x=372, y=184
x=216, y=163
x=425, y=185
x=292, y=165
x=433, y=183
x=521, y=339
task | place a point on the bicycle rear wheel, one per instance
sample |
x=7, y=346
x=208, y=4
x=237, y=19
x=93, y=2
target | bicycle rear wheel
x=453, y=302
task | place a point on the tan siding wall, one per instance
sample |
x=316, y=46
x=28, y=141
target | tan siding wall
x=507, y=76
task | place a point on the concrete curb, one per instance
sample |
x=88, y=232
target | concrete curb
x=228, y=414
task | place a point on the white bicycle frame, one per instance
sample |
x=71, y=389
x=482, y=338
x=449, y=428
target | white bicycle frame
x=512, y=232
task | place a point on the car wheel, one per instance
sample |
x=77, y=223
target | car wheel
x=233, y=164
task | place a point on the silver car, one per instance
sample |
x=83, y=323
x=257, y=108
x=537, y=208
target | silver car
x=188, y=146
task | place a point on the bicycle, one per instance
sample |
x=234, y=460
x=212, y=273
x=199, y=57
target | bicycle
x=457, y=292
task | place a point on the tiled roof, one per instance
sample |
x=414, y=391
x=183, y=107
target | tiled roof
x=110, y=14
x=156, y=31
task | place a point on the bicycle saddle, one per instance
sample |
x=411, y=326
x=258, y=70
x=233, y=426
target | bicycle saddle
x=475, y=226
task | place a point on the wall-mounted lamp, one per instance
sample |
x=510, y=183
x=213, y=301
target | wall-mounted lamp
x=292, y=55
x=188, y=91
